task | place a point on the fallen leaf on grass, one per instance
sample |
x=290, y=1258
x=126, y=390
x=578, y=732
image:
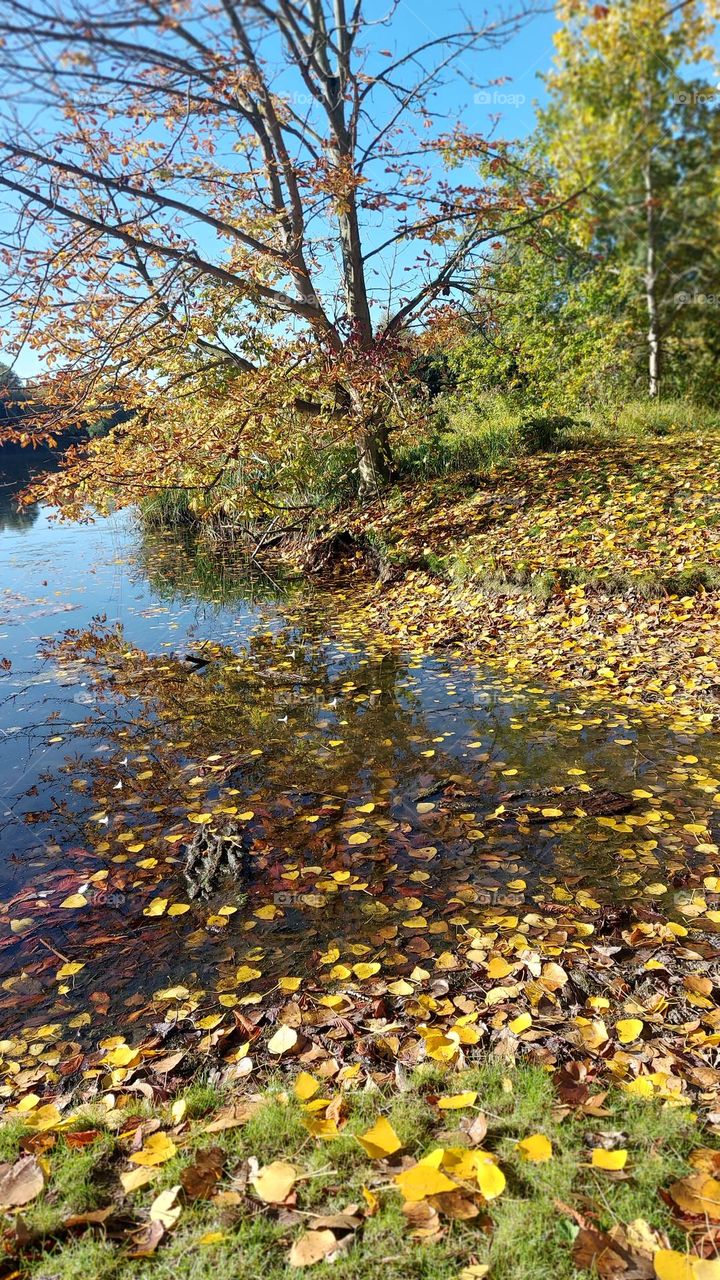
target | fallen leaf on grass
x=20, y=1182
x=537, y=1148
x=136, y=1178
x=457, y=1101
x=670, y=1265
x=274, y=1182
x=146, y=1241
x=697, y=1194
x=158, y=1148
x=611, y=1161
x=200, y=1178
x=423, y=1220
x=381, y=1140
x=312, y=1247
x=164, y=1208
x=422, y=1180
x=232, y=1117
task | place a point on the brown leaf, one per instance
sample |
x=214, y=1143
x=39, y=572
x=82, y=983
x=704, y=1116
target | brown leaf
x=697, y=1194
x=423, y=1219
x=146, y=1241
x=312, y=1247
x=232, y=1117
x=199, y=1179
x=20, y=1182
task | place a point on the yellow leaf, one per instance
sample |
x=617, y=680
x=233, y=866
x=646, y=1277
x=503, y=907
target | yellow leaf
x=458, y=1100
x=133, y=1179
x=372, y=1202
x=178, y=1110
x=359, y=837
x=670, y=1265
x=157, y=1149
x=628, y=1029
x=74, y=900
x=363, y=971
x=536, y=1148
x=283, y=1041
x=423, y=1180
x=520, y=1024
x=381, y=1140
x=498, y=968
x=164, y=1209
x=156, y=907
x=306, y=1086
x=212, y=1237
x=490, y=1179
x=275, y=1181
x=611, y=1160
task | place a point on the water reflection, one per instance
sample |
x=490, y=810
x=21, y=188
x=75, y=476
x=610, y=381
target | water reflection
x=18, y=466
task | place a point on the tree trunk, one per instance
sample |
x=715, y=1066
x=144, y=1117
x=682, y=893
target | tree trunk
x=654, y=335
x=374, y=458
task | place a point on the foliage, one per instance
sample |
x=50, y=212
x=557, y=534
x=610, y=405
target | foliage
x=177, y=209
x=228, y=1214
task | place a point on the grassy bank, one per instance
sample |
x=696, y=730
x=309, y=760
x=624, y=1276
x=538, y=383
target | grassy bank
x=522, y=1178
x=594, y=567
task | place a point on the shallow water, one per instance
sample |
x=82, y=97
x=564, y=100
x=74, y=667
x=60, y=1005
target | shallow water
x=371, y=789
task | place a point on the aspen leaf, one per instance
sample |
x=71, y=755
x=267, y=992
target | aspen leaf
x=609, y=1160
x=537, y=1148
x=283, y=1041
x=422, y=1180
x=306, y=1086
x=275, y=1181
x=156, y=1150
x=458, y=1100
x=628, y=1029
x=381, y=1140
x=312, y=1247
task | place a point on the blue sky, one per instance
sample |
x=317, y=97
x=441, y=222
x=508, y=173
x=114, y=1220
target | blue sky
x=526, y=54
x=505, y=85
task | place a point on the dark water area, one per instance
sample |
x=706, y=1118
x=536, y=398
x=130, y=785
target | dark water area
x=383, y=801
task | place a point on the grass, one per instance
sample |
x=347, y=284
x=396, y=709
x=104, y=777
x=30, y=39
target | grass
x=526, y=1233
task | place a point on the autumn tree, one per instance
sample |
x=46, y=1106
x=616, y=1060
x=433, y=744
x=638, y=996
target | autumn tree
x=638, y=141
x=229, y=213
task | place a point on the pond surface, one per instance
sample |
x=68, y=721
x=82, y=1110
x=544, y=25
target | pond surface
x=380, y=802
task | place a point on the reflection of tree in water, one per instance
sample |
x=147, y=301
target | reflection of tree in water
x=17, y=468
x=180, y=566
x=287, y=716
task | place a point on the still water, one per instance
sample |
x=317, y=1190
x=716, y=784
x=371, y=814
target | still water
x=381, y=802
